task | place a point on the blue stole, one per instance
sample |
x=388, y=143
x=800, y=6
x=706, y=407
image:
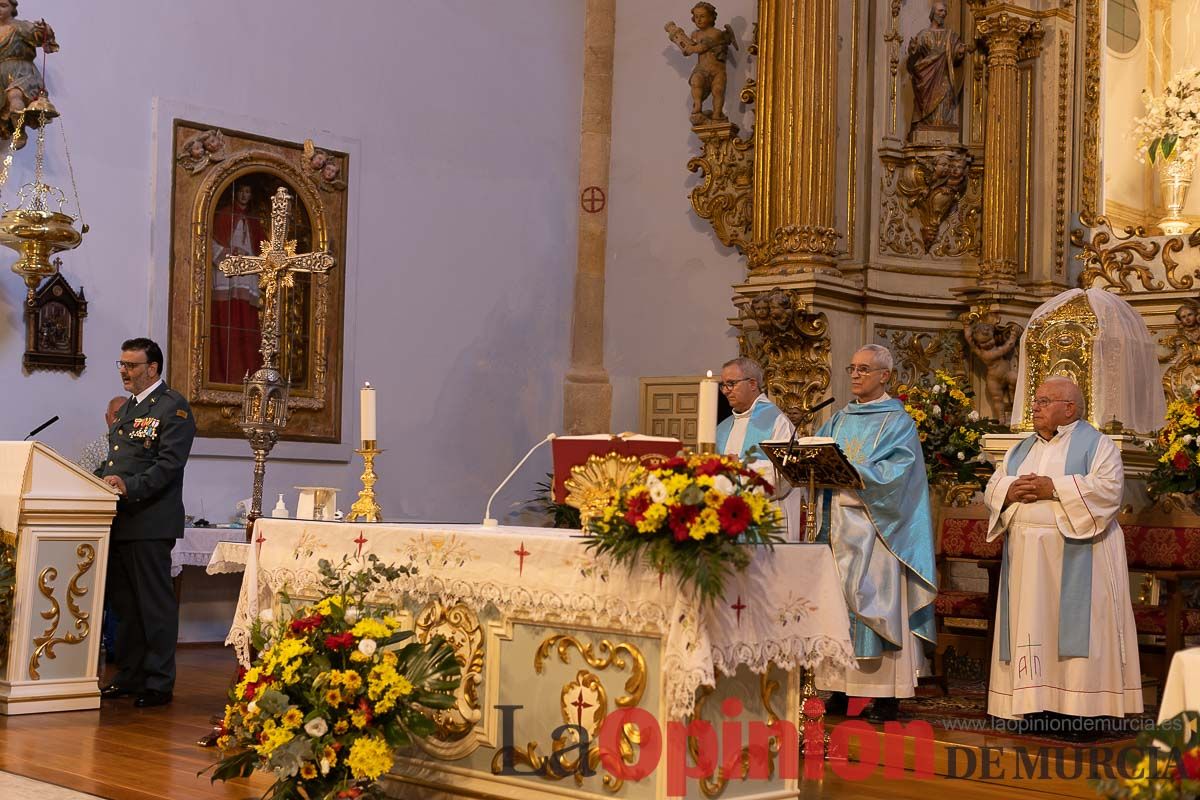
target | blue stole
x=881, y=441
x=1075, y=591
x=759, y=429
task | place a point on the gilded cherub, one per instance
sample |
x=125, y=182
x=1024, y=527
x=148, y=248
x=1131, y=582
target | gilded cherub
x=993, y=345
x=711, y=46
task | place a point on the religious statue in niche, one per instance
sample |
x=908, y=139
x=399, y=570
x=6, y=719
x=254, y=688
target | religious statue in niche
x=933, y=60
x=239, y=227
x=54, y=327
x=711, y=47
x=995, y=344
x=323, y=167
x=19, y=41
x=1183, y=356
x=202, y=150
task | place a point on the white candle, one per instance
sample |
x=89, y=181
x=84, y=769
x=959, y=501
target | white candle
x=706, y=420
x=367, y=412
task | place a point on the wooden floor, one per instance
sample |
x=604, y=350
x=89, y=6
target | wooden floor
x=124, y=753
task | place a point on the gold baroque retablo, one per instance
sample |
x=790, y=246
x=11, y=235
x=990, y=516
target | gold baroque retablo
x=1061, y=343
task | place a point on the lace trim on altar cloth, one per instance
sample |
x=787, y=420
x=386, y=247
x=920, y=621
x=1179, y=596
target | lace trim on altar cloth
x=690, y=657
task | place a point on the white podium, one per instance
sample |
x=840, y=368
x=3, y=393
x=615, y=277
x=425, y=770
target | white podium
x=54, y=526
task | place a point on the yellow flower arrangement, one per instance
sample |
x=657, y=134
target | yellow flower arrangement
x=334, y=691
x=690, y=516
x=949, y=428
x=1177, y=447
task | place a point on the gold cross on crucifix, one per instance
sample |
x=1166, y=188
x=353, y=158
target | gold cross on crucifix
x=276, y=268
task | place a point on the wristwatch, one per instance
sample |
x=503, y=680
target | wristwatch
x=1054, y=494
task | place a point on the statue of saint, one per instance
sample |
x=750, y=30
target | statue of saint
x=934, y=55
x=711, y=46
x=22, y=82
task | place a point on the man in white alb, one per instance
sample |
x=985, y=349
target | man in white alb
x=1064, y=640
x=756, y=420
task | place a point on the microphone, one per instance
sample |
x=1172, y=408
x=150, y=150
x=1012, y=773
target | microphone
x=488, y=520
x=792, y=442
x=41, y=427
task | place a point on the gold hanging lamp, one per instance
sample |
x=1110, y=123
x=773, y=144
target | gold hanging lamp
x=38, y=227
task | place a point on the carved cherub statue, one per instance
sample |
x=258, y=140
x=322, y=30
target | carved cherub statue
x=994, y=345
x=19, y=41
x=712, y=48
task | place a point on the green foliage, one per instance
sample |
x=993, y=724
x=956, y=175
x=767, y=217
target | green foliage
x=560, y=514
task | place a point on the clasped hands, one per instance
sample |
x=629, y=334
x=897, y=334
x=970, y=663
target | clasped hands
x=1029, y=489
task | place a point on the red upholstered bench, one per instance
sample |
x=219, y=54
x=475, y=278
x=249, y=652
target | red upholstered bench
x=1167, y=547
x=964, y=618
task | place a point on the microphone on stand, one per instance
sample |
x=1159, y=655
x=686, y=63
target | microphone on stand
x=792, y=442
x=42, y=427
x=488, y=520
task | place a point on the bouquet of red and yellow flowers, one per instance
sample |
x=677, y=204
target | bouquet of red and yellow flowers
x=1178, y=449
x=691, y=517
x=950, y=429
x=333, y=692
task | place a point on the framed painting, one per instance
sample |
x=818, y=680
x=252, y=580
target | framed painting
x=222, y=183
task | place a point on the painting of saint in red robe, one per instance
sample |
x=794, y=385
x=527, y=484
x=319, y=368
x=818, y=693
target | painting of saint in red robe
x=237, y=229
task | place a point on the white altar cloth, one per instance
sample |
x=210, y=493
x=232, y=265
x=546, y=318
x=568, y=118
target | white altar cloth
x=1182, y=691
x=787, y=607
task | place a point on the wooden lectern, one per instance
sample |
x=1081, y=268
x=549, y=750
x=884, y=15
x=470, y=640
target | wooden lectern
x=813, y=462
x=54, y=527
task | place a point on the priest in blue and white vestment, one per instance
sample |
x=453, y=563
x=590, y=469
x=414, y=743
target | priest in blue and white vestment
x=1065, y=639
x=882, y=542
x=755, y=420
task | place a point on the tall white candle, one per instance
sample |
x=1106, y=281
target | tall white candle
x=367, y=412
x=706, y=420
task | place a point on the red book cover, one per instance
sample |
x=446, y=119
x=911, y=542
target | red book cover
x=571, y=451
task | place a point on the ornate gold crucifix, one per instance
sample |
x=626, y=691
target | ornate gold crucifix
x=264, y=394
x=276, y=269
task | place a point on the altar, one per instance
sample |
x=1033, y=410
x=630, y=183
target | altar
x=549, y=634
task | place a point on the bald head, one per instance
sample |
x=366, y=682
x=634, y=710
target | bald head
x=114, y=405
x=1058, y=401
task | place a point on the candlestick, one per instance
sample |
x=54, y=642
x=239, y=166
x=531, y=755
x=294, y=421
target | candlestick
x=365, y=508
x=706, y=417
x=367, y=412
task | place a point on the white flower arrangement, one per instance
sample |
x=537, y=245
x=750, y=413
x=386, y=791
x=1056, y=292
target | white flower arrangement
x=1170, y=128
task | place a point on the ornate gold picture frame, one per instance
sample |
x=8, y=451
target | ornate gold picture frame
x=222, y=182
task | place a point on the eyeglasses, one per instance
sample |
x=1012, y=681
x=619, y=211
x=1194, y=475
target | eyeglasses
x=855, y=369
x=729, y=386
x=130, y=366
x=1040, y=402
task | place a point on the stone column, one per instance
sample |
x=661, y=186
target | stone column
x=1004, y=33
x=587, y=393
x=795, y=137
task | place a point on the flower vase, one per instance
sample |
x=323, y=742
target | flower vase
x=1175, y=176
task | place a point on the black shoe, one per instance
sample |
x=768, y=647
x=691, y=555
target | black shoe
x=151, y=698
x=838, y=704
x=114, y=690
x=884, y=709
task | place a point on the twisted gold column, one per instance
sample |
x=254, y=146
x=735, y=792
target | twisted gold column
x=795, y=137
x=1004, y=33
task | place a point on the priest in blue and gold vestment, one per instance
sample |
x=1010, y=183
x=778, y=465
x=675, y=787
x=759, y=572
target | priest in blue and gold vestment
x=882, y=542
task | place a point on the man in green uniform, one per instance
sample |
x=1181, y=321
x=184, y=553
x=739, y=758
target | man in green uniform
x=148, y=448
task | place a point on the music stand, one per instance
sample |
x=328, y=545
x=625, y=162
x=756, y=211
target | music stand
x=816, y=462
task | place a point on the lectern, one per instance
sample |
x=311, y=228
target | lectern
x=54, y=526
x=814, y=462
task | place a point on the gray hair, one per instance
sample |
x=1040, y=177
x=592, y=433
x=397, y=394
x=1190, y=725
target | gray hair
x=749, y=367
x=1072, y=390
x=880, y=355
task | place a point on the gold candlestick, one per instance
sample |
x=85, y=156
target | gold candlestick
x=365, y=508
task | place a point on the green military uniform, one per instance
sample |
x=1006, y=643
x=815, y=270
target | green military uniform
x=148, y=447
